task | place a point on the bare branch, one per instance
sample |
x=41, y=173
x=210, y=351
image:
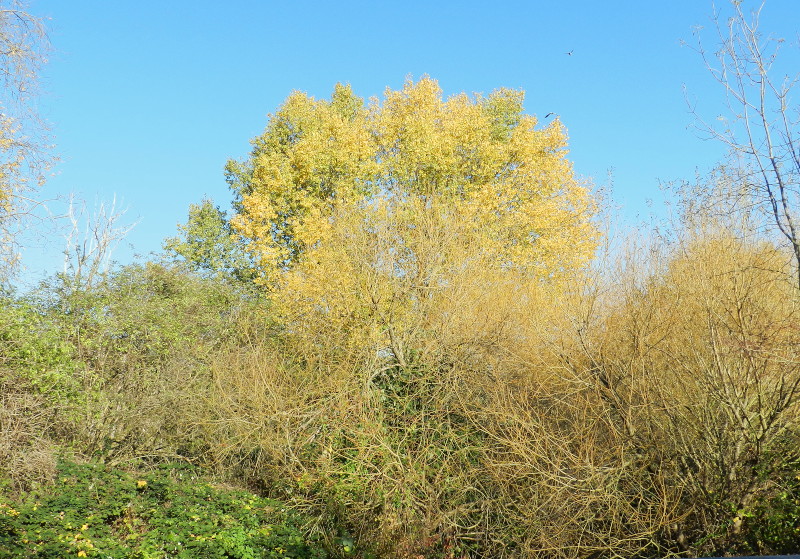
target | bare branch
x=24, y=150
x=760, y=130
x=91, y=242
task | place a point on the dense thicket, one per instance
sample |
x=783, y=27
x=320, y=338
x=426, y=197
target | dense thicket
x=114, y=371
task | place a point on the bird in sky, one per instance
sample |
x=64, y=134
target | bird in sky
x=548, y=115
x=570, y=52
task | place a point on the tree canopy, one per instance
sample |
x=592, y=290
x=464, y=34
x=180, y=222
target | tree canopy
x=412, y=157
x=760, y=124
x=205, y=242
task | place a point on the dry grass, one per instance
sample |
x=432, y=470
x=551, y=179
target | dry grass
x=27, y=451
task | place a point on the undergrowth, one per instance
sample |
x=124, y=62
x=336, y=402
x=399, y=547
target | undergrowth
x=93, y=510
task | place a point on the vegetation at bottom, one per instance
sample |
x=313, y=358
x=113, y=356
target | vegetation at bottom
x=92, y=510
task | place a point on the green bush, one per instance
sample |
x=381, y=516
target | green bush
x=147, y=331
x=35, y=351
x=773, y=523
x=42, y=384
x=96, y=511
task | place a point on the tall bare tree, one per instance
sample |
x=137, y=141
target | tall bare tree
x=90, y=242
x=24, y=152
x=761, y=127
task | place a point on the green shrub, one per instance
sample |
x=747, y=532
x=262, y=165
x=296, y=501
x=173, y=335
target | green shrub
x=146, y=332
x=773, y=524
x=42, y=384
x=35, y=351
x=96, y=511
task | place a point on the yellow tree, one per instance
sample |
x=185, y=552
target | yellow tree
x=379, y=209
x=478, y=155
x=414, y=246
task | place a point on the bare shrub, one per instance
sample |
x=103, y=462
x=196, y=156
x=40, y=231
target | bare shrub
x=700, y=370
x=27, y=456
x=439, y=404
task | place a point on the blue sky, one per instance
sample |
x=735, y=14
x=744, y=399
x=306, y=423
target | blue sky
x=147, y=100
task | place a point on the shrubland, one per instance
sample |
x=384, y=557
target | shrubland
x=412, y=340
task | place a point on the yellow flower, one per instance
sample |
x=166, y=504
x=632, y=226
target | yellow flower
x=81, y=553
x=141, y=483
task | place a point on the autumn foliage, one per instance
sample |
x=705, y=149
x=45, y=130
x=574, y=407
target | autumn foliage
x=406, y=162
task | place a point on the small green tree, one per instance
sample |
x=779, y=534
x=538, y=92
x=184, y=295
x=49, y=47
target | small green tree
x=206, y=243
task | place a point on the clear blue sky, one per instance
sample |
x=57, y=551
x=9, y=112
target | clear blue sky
x=148, y=99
